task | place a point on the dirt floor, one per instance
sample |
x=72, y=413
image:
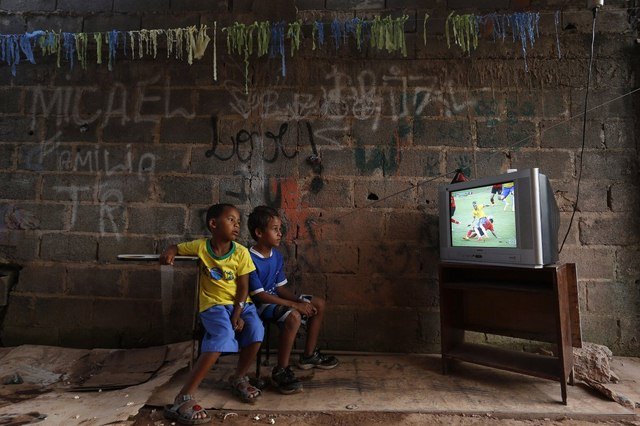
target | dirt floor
x=150, y=416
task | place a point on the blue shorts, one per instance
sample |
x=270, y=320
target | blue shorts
x=219, y=335
x=506, y=192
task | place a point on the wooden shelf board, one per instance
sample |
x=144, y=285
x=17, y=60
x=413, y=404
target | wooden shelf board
x=546, y=367
x=503, y=286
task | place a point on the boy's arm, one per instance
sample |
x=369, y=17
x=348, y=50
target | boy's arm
x=242, y=291
x=166, y=258
x=302, y=306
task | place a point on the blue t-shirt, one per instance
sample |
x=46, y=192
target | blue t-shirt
x=269, y=273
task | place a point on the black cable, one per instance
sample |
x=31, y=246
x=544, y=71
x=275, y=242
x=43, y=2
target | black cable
x=584, y=127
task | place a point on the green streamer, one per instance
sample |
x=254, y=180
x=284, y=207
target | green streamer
x=98, y=39
x=263, y=37
x=293, y=33
x=465, y=32
x=81, y=49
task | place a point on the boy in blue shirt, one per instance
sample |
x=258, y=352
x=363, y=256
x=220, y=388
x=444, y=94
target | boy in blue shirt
x=229, y=318
x=280, y=305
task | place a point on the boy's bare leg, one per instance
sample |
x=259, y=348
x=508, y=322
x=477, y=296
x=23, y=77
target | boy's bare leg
x=199, y=372
x=315, y=323
x=287, y=338
x=247, y=357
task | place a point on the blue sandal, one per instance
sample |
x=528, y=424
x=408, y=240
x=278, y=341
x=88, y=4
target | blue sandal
x=172, y=412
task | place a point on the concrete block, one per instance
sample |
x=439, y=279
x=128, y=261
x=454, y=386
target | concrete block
x=12, y=100
x=125, y=314
x=429, y=322
x=619, y=134
x=109, y=247
x=152, y=159
x=566, y=135
x=600, y=327
x=70, y=132
x=103, y=219
x=384, y=194
x=431, y=132
x=18, y=186
x=609, y=230
x=7, y=158
x=42, y=216
x=68, y=187
x=17, y=129
x=609, y=165
x=62, y=311
x=19, y=246
x=131, y=132
x=310, y=4
x=554, y=164
x=157, y=220
x=204, y=5
x=626, y=265
x=612, y=296
x=95, y=282
x=327, y=257
x=181, y=130
x=163, y=20
x=140, y=5
x=16, y=336
x=39, y=278
x=79, y=6
x=419, y=162
x=186, y=190
x=513, y=135
x=12, y=24
x=146, y=283
x=107, y=21
x=120, y=188
x=234, y=190
x=51, y=22
x=402, y=258
x=196, y=220
x=387, y=329
x=363, y=225
x=68, y=247
x=332, y=193
x=592, y=263
x=19, y=311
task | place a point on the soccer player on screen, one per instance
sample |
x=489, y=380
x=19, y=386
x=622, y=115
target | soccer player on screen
x=480, y=230
x=452, y=210
x=495, y=189
x=478, y=213
x=507, y=188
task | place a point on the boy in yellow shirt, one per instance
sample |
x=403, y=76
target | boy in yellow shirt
x=230, y=319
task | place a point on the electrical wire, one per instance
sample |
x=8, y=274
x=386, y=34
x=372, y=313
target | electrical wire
x=584, y=127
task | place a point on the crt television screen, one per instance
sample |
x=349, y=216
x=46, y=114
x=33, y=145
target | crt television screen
x=484, y=216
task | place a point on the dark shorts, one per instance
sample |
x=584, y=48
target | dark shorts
x=219, y=334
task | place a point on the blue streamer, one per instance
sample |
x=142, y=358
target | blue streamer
x=69, y=43
x=320, y=30
x=11, y=51
x=113, y=45
x=27, y=42
x=557, y=24
x=336, y=32
x=276, y=44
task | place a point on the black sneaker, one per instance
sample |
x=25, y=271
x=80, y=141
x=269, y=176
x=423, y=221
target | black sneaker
x=317, y=360
x=285, y=381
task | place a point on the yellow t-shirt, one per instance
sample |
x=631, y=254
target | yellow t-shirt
x=478, y=212
x=221, y=288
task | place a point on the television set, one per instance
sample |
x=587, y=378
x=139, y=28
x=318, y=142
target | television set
x=510, y=219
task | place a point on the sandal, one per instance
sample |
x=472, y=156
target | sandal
x=241, y=387
x=186, y=417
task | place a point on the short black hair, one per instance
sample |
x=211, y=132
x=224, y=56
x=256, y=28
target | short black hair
x=259, y=219
x=216, y=210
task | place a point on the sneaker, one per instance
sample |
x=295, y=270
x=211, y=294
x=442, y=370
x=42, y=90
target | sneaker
x=285, y=381
x=317, y=360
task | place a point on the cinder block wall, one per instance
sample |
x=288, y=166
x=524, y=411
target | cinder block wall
x=94, y=163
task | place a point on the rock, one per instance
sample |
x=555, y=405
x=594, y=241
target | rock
x=592, y=363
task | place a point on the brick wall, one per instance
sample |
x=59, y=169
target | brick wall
x=94, y=163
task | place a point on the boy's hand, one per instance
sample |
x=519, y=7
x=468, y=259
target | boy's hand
x=306, y=308
x=237, y=323
x=168, y=256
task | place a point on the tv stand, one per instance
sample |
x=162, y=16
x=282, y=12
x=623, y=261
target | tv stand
x=536, y=304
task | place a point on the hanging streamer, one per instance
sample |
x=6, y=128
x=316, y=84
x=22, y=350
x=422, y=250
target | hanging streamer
x=82, y=41
x=556, y=21
x=69, y=48
x=424, y=28
x=336, y=32
x=215, y=51
x=276, y=47
x=318, y=29
x=465, y=31
x=112, y=43
x=293, y=33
